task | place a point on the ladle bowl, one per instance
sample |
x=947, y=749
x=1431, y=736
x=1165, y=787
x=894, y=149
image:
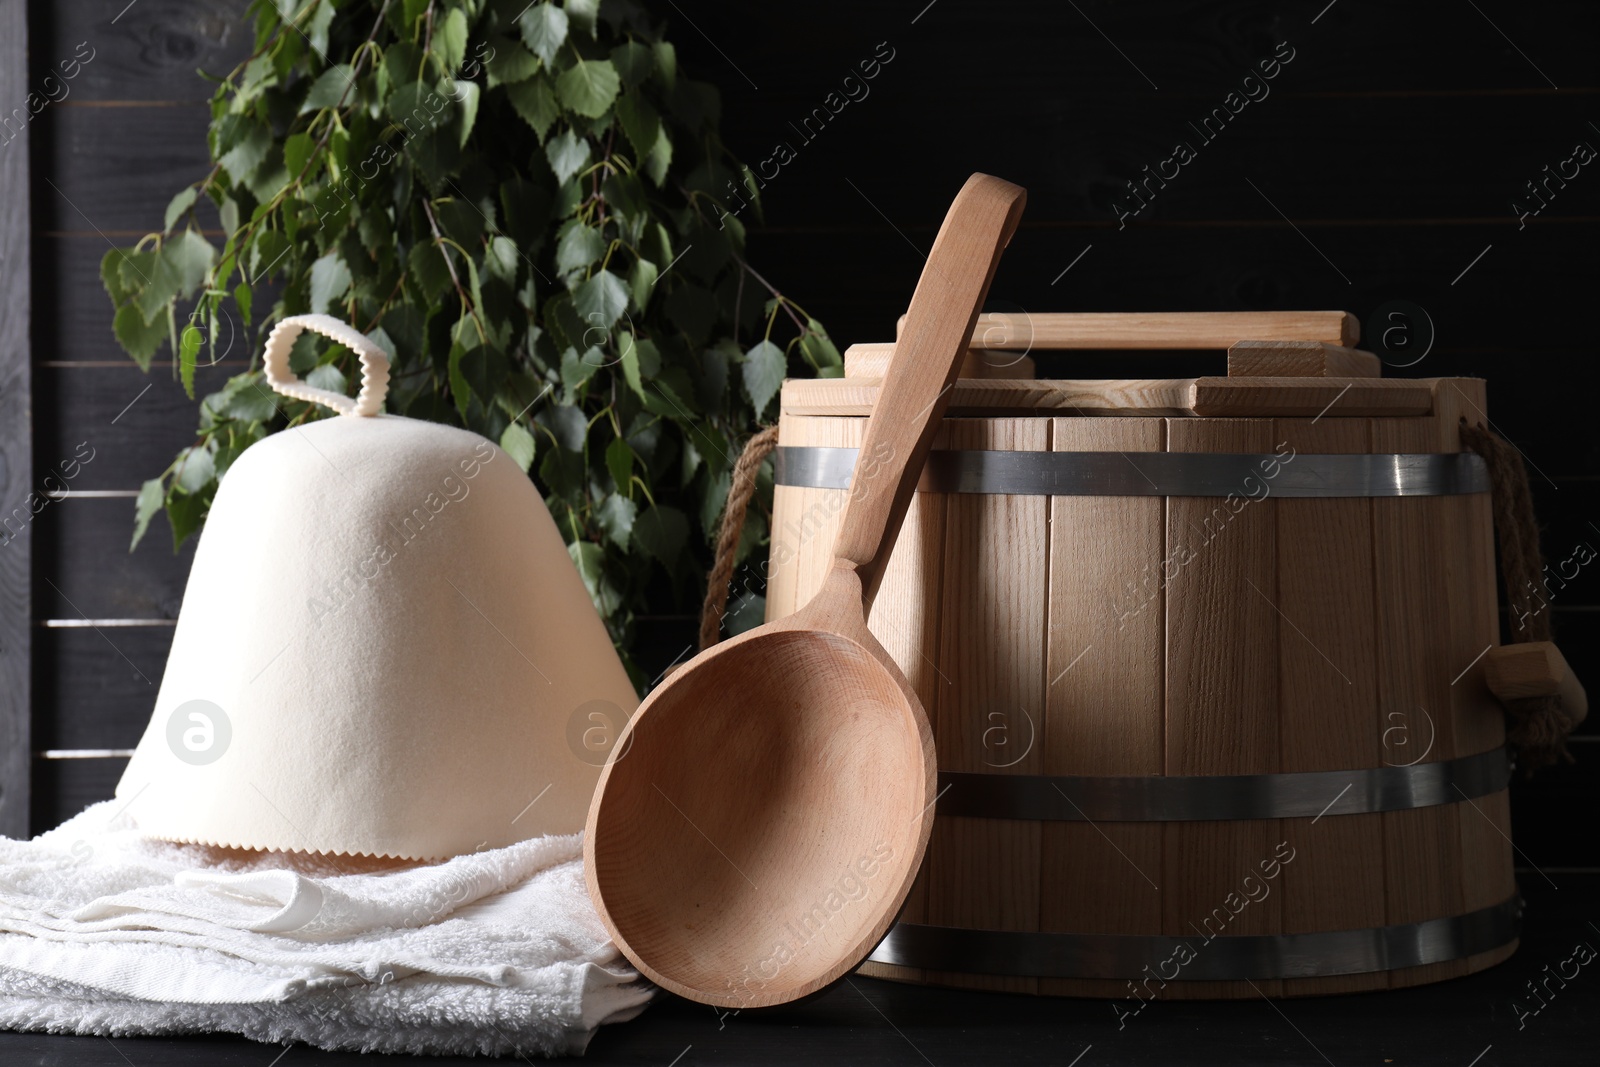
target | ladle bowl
x=780, y=882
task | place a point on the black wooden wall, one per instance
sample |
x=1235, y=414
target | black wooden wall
x=1382, y=165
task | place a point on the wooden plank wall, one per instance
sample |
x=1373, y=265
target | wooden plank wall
x=16, y=435
x=107, y=155
x=1396, y=139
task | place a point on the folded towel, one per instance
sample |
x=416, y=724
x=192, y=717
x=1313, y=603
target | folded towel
x=105, y=932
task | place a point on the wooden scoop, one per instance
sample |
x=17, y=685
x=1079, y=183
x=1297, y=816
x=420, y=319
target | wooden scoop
x=764, y=813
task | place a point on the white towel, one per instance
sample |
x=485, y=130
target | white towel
x=105, y=932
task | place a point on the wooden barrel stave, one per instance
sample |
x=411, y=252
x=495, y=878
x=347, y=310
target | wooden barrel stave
x=1328, y=691
x=1105, y=704
x=993, y=614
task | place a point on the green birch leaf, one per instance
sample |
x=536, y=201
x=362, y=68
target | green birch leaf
x=511, y=63
x=428, y=270
x=562, y=322
x=151, y=496
x=316, y=27
x=177, y=269
x=474, y=285
x=649, y=358
x=402, y=63
x=380, y=337
x=567, y=425
x=138, y=338
x=660, y=158
x=501, y=258
x=420, y=109
x=185, y=513
x=536, y=103
x=661, y=532
x=576, y=369
x=247, y=153
x=461, y=220
x=588, y=86
x=583, y=14
x=175, y=209
x=330, y=280
x=297, y=153
x=601, y=300
x=437, y=157
x=619, y=461
x=567, y=153
x=579, y=247
x=589, y=558
x=641, y=283
x=518, y=444
x=189, y=342
x=194, y=469
x=242, y=297
x=248, y=398
x=269, y=251
x=327, y=376
x=818, y=349
x=616, y=517
x=111, y=276
x=640, y=124
x=331, y=86
x=633, y=61
x=764, y=368
x=544, y=30
x=192, y=257
x=134, y=270
x=629, y=347
x=666, y=62
x=716, y=497
x=467, y=94
x=450, y=40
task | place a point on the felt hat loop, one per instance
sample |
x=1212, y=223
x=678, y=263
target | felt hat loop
x=374, y=365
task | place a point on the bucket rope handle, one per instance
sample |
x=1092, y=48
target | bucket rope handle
x=745, y=469
x=1539, y=725
x=374, y=365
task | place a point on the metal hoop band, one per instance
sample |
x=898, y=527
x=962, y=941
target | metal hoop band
x=1190, y=798
x=1218, y=956
x=1159, y=473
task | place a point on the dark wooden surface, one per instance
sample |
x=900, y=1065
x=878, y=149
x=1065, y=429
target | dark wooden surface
x=16, y=434
x=1396, y=139
x=1468, y=1022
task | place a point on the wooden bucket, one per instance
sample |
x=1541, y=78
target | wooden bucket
x=1204, y=660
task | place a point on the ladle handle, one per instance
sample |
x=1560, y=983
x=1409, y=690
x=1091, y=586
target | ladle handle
x=916, y=389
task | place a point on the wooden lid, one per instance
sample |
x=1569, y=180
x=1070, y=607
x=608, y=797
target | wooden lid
x=1280, y=363
x=1287, y=397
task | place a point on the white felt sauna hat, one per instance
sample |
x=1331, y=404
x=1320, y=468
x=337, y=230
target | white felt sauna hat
x=384, y=647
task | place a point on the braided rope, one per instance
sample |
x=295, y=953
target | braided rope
x=1538, y=725
x=756, y=450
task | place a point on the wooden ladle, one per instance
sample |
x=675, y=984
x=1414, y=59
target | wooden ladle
x=764, y=813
